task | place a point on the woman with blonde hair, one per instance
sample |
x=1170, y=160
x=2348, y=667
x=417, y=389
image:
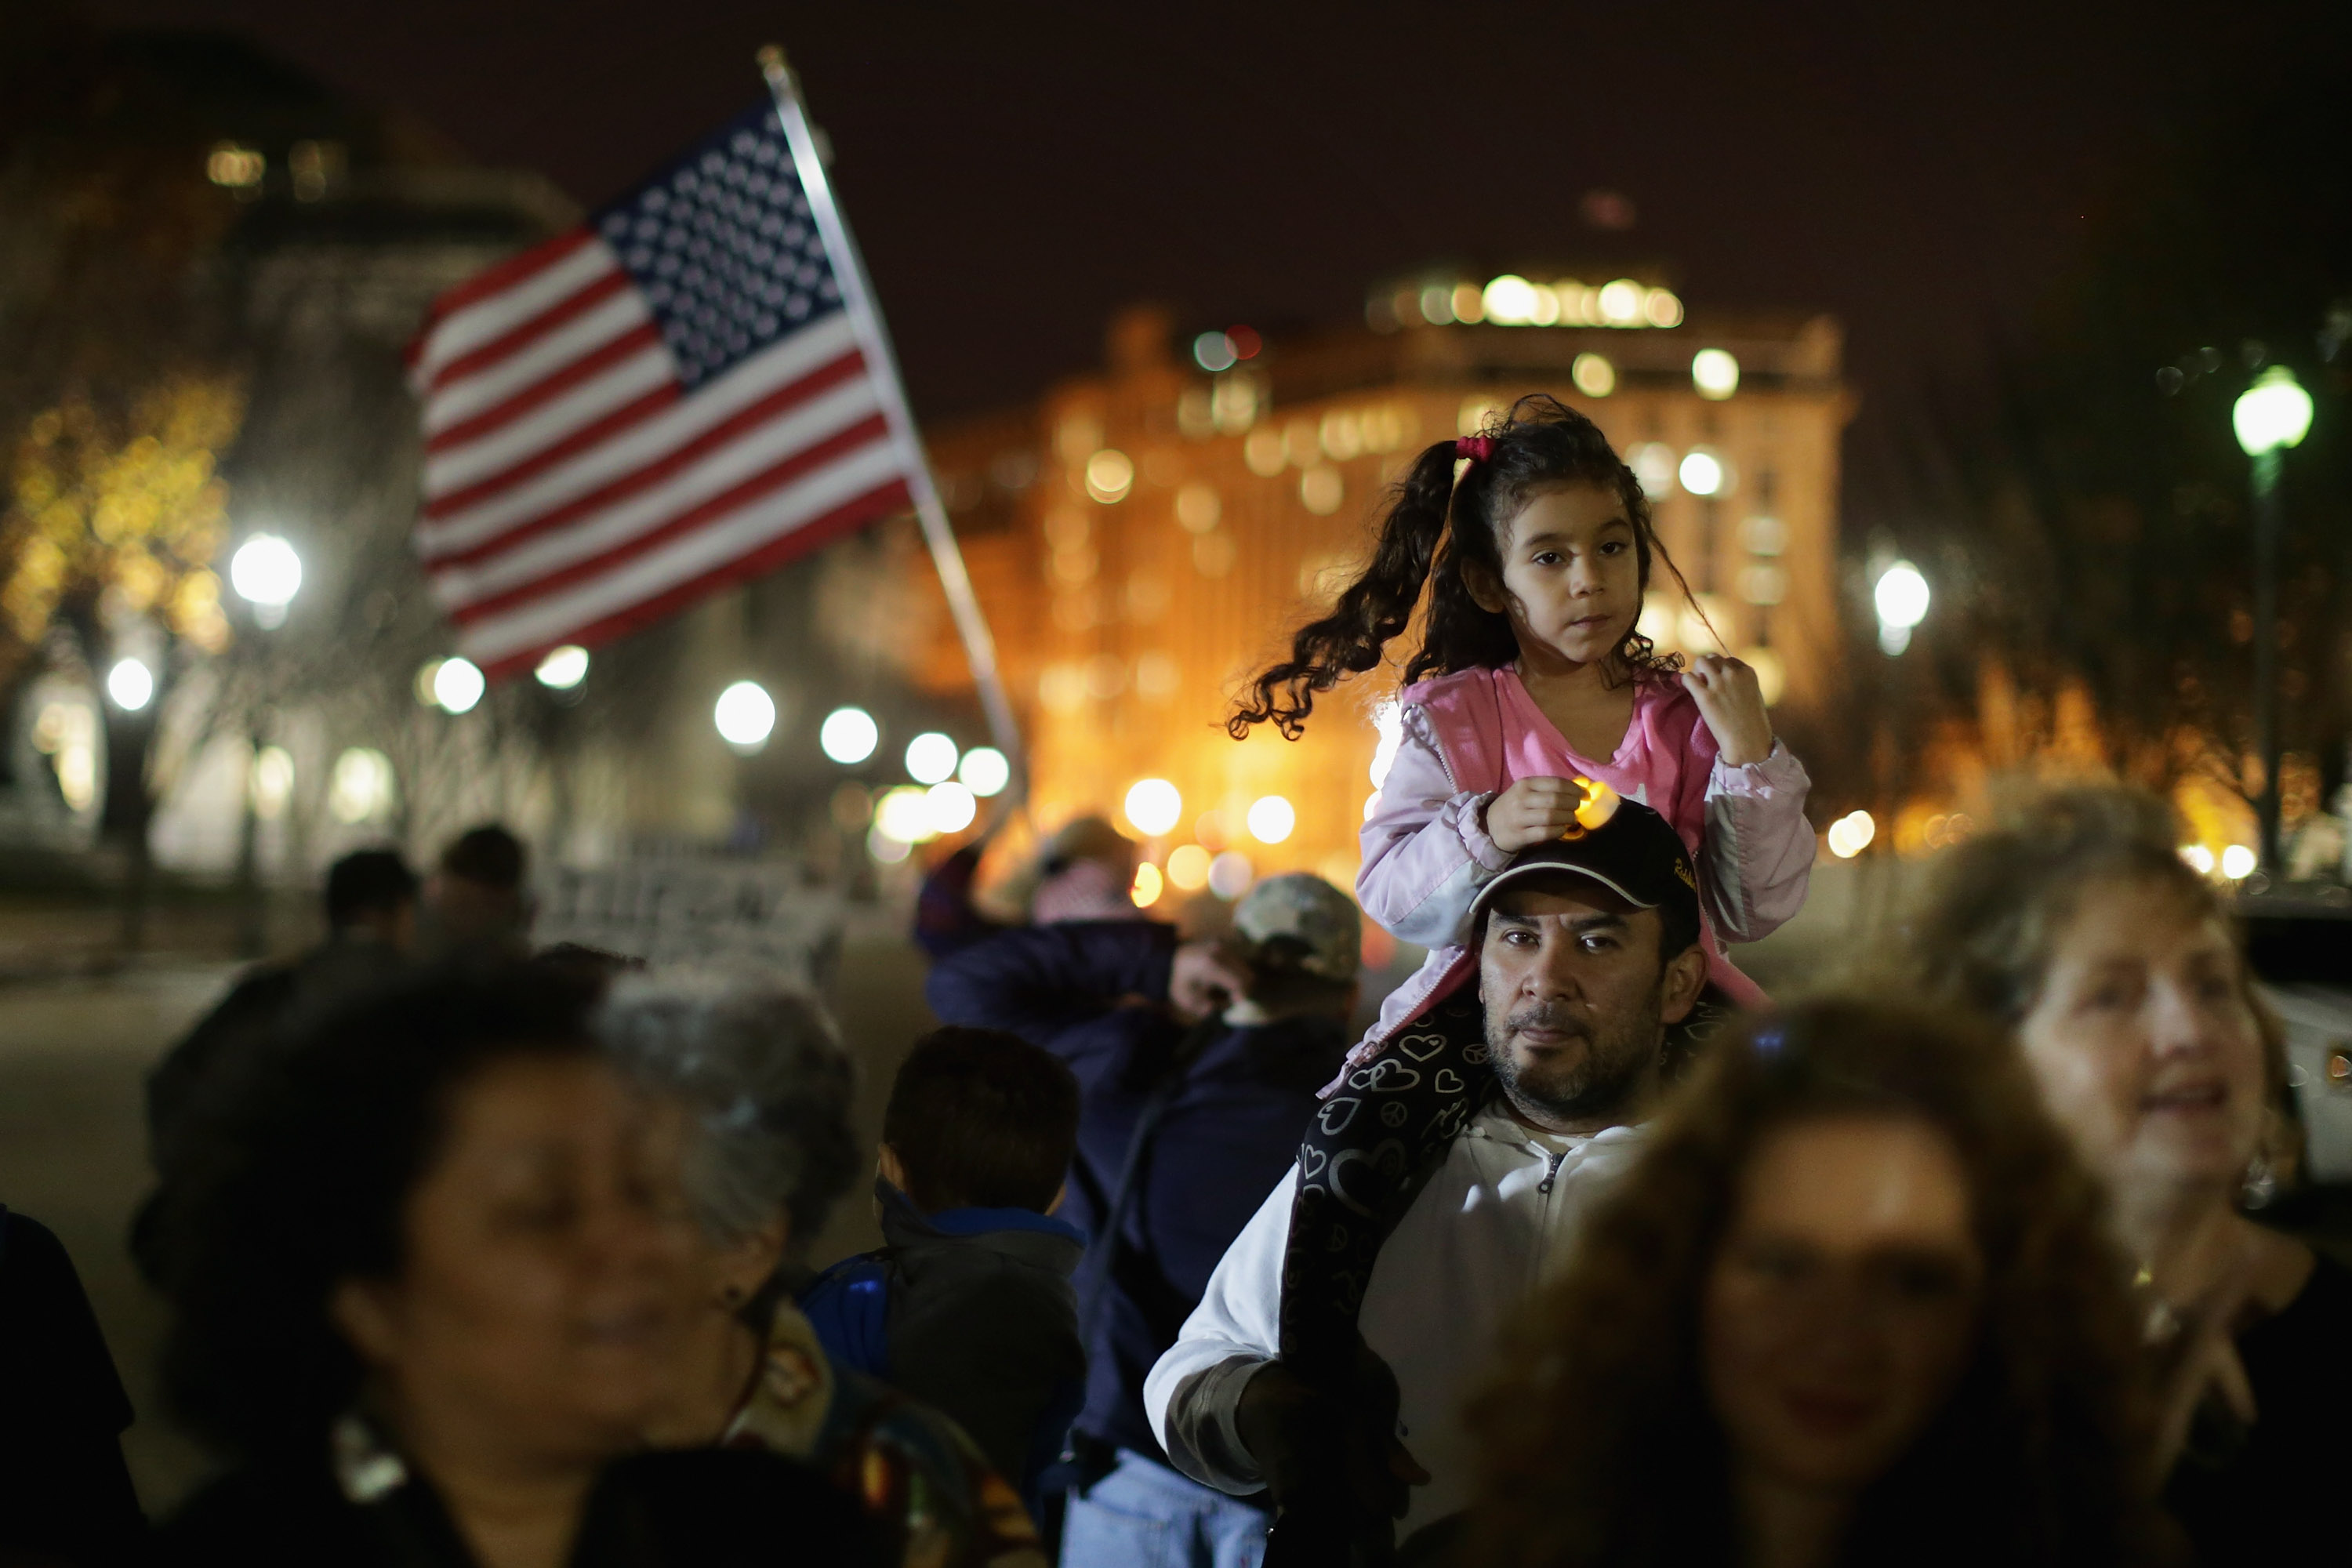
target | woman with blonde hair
x=2075, y=924
x=1855, y=1305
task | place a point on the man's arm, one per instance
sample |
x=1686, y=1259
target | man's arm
x=1040, y=980
x=1193, y=1396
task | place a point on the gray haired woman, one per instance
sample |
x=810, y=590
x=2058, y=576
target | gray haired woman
x=2075, y=923
x=767, y=1083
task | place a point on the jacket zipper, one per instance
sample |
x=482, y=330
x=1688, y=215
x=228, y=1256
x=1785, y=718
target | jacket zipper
x=1551, y=1174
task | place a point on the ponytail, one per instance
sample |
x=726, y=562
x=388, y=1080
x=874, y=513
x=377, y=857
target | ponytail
x=1541, y=443
x=1373, y=610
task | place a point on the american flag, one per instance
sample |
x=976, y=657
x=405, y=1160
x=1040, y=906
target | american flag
x=668, y=399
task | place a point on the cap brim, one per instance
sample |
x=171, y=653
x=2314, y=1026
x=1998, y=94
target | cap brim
x=1510, y=875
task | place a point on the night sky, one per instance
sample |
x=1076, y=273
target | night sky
x=1017, y=172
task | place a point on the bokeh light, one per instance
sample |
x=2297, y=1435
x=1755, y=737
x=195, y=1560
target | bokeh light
x=1653, y=463
x=1213, y=351
x=1703, y=472
x=1153, y=807
x=1714, y=373
x=131, y=685
x=930, y=757
x=458, y=685
x=266, y=573
x=984, y=771
x=745, y=715
x=1188, y=867
x=1850, y=835
x=1145, y=891
x=951, y=806
x=1510, y=301
x=849, y=735
x=903, y=815
x=1271, y=819
x=563, y=668
x=1901, y=598
x=2197, y=858
x=1110, y=473
x=1594, y=375
x=1230, y=874
x=361, y=787
x=2238, y=862
x=1620, y=302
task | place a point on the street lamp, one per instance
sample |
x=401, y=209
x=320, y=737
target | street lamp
x=265, y=573
x=2269, y=416
x=131, y=684
x=1901, y=598
x=745, y=716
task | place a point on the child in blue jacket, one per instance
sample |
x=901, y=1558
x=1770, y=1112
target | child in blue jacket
x=968, y=1306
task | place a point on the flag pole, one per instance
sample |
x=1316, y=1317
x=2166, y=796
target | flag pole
x=873, y=340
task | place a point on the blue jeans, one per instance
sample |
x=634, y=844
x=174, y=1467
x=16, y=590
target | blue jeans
x=1145, y=1515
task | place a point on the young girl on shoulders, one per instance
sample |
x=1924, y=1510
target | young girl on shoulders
x=1532, y=697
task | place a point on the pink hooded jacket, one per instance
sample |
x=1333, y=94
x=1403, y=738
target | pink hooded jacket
x=1469, y=735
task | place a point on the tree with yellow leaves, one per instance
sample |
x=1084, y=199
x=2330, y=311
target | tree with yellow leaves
x=107, y=524
x=109, y=530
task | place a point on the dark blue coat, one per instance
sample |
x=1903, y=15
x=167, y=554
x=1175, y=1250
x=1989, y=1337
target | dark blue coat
x=1095, y=996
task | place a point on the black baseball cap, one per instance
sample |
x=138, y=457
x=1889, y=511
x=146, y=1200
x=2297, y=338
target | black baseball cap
x=1632, y=852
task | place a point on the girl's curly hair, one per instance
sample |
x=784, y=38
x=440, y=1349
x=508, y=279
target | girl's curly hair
x=1599, y=1445
x=1541, y=444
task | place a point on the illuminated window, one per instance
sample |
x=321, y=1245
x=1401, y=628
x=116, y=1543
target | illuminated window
x=237, y=168
x=1321, y=490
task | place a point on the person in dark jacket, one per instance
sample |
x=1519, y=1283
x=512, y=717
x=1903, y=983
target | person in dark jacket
x=969, y=1308
x=1197, y=1065
x=68, y=1497
x=371, y=908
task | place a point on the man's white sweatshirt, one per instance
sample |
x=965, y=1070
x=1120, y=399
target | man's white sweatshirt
x=1499, y=1215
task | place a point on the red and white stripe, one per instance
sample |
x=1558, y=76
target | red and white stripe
x=574, y=489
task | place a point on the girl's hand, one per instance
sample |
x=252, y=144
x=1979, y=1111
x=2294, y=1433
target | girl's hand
x=1532, y=810
x=1732, y=703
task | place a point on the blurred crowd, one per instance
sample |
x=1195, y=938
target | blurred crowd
x=479, y=1253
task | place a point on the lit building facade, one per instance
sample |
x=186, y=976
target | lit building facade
x=1145, y=538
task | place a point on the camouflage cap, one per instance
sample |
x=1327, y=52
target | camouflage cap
x=1300, y=922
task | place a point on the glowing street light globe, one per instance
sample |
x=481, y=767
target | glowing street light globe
x=2272, y=414
x=131, y=685
x=1153, y=807
x=849, y=735
x=1714, y=373
x=1271, y=819
x=984, y=771
x=950, y=806
x=903, y=815
x=458, y=685
x=563, y=668
x=1901, y=595
x=1704, y=472
x=930, y=758
x=745, y=715
x=266, y=574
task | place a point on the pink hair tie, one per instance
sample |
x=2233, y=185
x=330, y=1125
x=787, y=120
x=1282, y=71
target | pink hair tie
x=1477, y=448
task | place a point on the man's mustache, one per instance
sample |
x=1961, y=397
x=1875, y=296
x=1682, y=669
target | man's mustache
x=1547, y=1015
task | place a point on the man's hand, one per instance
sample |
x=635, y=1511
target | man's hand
x=1312, y=1447
x=1204, y=979
x=1532, y=810
x=1732, y=703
